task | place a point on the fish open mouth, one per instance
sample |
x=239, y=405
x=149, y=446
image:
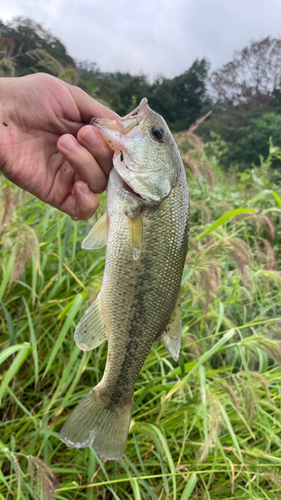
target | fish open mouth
x=137, y=110
x=119, y=182
x=113, y=131
x=130, y=190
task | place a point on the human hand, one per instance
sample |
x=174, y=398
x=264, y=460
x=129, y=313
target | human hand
x=39, y=117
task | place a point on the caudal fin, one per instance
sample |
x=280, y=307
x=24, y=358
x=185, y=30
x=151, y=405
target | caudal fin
x=92, y=424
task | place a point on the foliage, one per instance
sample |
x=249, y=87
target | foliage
x=179, y=99
x=244, y=95
x=7, y=63
x=246, y=130
x=28, y=36
x=254, y=141
x=127, y=96
x=190, y=93
x=252, y=75
x=227, y=120
x=245, y=91
x=207, y=427
x=25, y=48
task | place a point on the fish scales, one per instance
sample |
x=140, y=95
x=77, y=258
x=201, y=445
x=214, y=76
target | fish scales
x=146, y=289
x=146, y=228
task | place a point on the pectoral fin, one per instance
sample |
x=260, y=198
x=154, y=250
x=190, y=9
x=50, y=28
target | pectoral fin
x=90, y=331
x=171, y=337
x=97, y=237
x=136, y=236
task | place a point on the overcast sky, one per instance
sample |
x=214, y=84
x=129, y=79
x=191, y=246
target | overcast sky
x=152, y=36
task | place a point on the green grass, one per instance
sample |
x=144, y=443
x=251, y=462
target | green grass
x=207, y=427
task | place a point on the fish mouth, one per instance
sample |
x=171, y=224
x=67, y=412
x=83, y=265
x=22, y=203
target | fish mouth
x=113, y=130
x=128, y=189
x=122, y=185
x=137, y=110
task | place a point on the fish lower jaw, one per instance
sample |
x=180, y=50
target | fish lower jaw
x=122, y=185
x=128, y=189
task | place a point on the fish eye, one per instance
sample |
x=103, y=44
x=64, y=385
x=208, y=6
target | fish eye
x=157, y=132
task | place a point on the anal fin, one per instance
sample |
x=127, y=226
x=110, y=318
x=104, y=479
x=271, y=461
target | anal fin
x=97, y=237
x=90, y=331
x=171, y=336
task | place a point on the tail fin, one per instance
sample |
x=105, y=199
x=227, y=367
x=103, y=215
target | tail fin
x=92, y=424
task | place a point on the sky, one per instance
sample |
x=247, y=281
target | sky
x=154, y=37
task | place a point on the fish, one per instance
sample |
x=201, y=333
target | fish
x=146, y=230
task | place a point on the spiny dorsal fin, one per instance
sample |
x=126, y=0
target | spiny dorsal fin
x=171, y=337
x=136, y=236
x=90, y=331
x=97, y=237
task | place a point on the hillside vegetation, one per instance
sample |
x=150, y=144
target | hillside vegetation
x=244, y=95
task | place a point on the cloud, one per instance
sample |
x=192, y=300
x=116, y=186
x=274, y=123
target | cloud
x=160, y=37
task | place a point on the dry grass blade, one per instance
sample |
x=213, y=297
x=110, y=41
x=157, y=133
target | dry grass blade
x=188, y=135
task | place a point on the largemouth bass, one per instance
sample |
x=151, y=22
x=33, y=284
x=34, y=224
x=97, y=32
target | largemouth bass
x=146, y=229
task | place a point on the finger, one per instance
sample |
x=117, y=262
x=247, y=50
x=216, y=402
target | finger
x=91, y=139
x=83, y=163
x=88, y=107
x=82, y=203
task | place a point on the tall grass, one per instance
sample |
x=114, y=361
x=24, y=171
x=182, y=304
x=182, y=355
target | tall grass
x=207, y=427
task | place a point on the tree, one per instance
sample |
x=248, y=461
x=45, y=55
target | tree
x=88, y=77
x=161, y=100
x=251, y=76
x=7, y=62
x=29, y=35
x=25, y=47
x=179, y=100
x=247, y=93
x=126, y=97
x=189, y=91
x=254, y=141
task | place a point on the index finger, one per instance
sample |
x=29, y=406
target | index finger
x=89, y=107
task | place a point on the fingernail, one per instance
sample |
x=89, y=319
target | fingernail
x=85, y=188
x=68, y=143
x=89, y=136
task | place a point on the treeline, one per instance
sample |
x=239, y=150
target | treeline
x=246, y=103
x=179, y=99
x=244, y=95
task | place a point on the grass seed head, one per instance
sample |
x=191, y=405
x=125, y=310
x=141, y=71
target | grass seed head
x=265, y=253
x=270, y=346
x=22, y=241
x=7, y=205
x=42, y=479
x=215, y=426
